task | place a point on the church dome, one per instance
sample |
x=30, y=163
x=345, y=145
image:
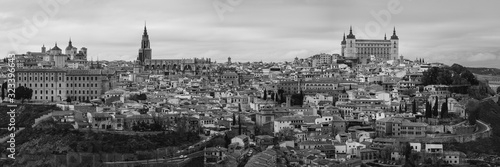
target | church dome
x=56, y=48
x=70, y=45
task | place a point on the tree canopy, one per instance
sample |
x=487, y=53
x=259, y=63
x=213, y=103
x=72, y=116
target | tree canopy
x=286, y=134
x=454, y=75
x=428, y=112
x=4, y=87
x=265, y=94
x=137, y=97
x=472, y=109
x=435, y=112
x=444, y=109
x=23, y=93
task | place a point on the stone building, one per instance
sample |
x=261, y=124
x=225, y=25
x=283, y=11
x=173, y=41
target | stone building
x=365, y=50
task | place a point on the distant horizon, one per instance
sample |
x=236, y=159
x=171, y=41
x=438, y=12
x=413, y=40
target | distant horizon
x=267, y=30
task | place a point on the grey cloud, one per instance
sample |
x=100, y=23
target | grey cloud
x=272, y=30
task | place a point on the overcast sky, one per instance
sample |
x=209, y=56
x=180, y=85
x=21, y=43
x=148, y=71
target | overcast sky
x=449, y=31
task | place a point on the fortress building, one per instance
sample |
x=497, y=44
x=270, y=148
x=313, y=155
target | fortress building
x=365, y=50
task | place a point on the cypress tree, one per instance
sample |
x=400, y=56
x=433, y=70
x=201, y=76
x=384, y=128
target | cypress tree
x=228, y=140
x=301, y=101
x=444, y=109
x=265, y=94
x=428, y=110
x=414, y=107
x=283, y=98
x=239, y=124
x=435, y=112
x=234, y=119
x=4, y=86
x=400, y=108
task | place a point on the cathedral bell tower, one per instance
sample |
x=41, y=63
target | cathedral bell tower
x=145, y=50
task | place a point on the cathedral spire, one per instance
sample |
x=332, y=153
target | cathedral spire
x=385, y=36
x=145, y=30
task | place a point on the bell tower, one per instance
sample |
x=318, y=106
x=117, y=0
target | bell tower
x=394, y=45
x=350, y=46
x=145, y=50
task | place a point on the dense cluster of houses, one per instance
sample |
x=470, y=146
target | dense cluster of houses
x=342, y=113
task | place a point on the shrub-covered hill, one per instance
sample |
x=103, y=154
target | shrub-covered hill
x=460, y=76
x=25, y=114
x=49, y=138
x=32, y=140
x=489, y=112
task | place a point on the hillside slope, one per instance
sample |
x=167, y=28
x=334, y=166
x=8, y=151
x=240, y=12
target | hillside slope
x=484, y=71
x=489, y=112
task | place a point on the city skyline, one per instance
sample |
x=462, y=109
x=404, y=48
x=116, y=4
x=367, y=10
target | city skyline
x=276, y=30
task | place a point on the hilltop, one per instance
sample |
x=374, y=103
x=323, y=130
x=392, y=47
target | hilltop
x=484, y=71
